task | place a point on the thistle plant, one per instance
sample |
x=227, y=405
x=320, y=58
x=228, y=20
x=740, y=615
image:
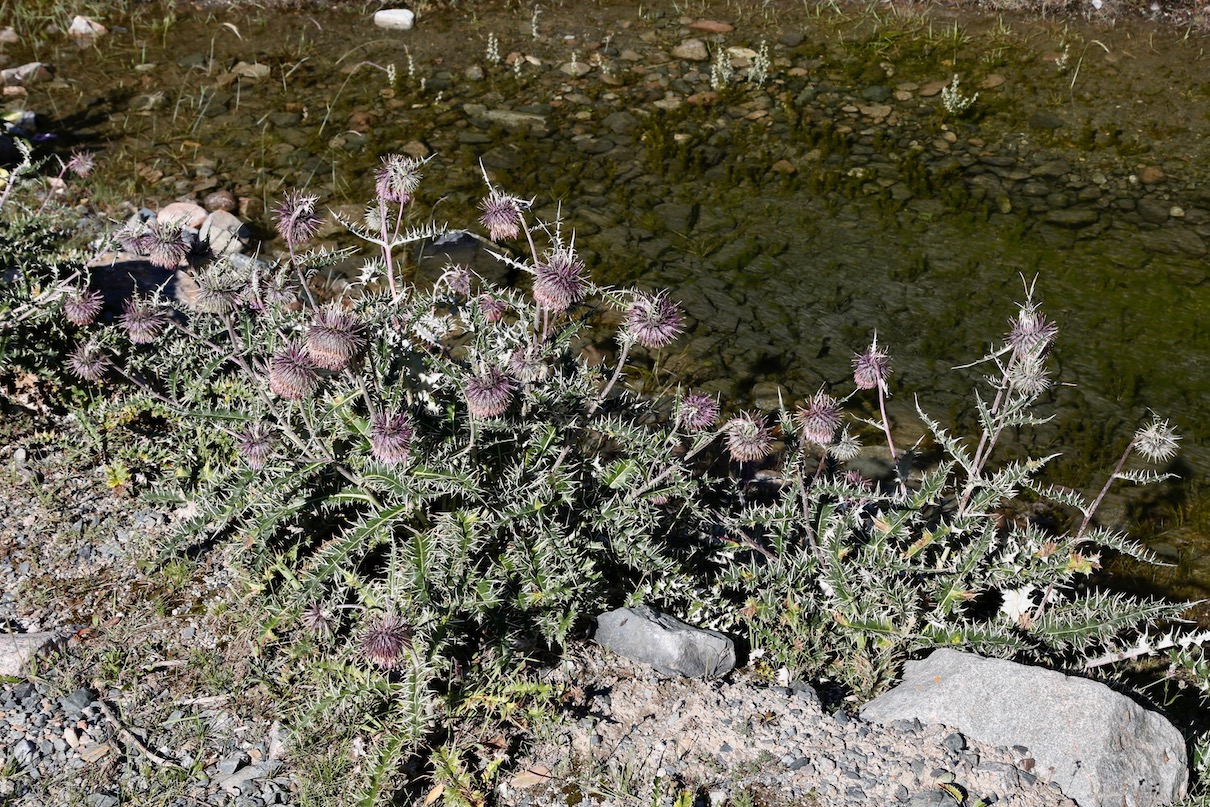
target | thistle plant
x=843, y=576
x=428, y=482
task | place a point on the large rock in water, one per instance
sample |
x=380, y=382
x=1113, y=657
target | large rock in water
x=1101, y=748
x=667, y=644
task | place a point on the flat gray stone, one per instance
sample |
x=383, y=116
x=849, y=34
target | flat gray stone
x=665, y=643
x=16, y=650
x=1101, y=748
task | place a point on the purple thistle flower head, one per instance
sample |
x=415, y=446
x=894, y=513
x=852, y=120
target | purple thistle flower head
x=81, y=307
x=653, y=321
x=296, y=218
x=489, y=393
x=748, y=437
x=501, y=215
x=385, y=640
x=390, y=437
x=291, y=373
x=142, y=321
x=1027, y=374
x=1031, y=332
x=1156, y=441
x=819, y=418
x=559, y=280
x=334, y=338
x=872, y=368
x=167, y=243
x=82, y=163
x=255, y=444
x=89, y=361
x=396, y=181
x=697, y=412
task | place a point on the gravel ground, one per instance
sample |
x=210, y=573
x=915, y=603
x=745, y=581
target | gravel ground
x=736, y=740
x=142, y=703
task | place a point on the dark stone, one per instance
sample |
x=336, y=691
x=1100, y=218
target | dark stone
x=1072, y=217
x=877, y=94
x=1152, y=211
x=1045, y=119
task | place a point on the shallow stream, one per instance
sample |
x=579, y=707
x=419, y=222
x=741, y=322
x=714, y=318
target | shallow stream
x=793, y=213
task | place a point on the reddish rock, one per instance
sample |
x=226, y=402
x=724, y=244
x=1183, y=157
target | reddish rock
x=712, y=26
x=1151, y=175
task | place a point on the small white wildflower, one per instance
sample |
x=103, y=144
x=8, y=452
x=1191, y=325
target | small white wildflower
x=1017, y=602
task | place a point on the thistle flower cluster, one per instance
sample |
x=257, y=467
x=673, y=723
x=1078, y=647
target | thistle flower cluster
x=397, y=178
x=502, y=215
x=81, y=307
x=748, y=437
x=489, y=393
x=385, y=640
x=292, y=373
x=390, y=437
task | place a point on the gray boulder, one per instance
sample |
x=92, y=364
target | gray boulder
x=664, y=642
x=1101, y=748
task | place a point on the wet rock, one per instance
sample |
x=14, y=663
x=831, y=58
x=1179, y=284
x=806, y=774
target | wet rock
x=1151, y=175
x=1175, y=241
x=1152, y=211
x=991, y=82
x=575, y=69
x=877, y=94
x=395, y=19
x=712, y=26
x=16, y=650
x=1106, y=752
x=8, y=36
x=932, y=88
x=693, y=50
x=664, y=642
x=1045, y=119
x=790, y=39
x=514, y=121
x=1051, y=169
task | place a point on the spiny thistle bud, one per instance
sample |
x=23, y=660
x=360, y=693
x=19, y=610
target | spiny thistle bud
x=846, y=447
x=697, y=412
x=398, y=178
x=457, y=278
x=390, y=436
x=488, y=394
x=872, y=368
x=89, y=361
x=385, y=640
x=1027, y=374
x=559, y=280
x=291, y=373
x=1031, y=332
x=255, y=444
x=493, y=308
x=167, y=243
x=133, y=237
x=748, y=437
x=501, y=215
x=527, y=366
x=81, y=307
x=218, y=291
x=81, y=163
x=653, y=321
x=334, y=338
x=819, y=418
x=296, y=218
x=1156, y=441
x=316, y=619
x=142, y=321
